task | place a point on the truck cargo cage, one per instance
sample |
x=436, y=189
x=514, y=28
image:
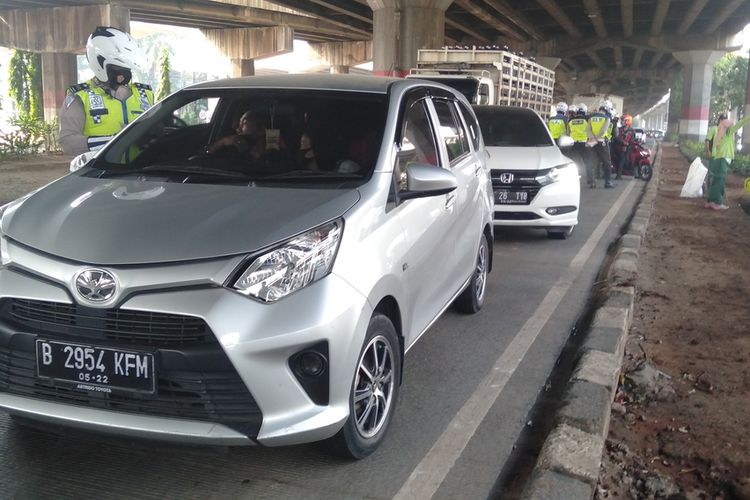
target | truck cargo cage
x=518, y=81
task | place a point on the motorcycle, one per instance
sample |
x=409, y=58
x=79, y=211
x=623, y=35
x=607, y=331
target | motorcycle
x=638, y=162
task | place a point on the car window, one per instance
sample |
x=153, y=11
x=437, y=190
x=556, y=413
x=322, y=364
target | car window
x=284, y=136
x=507, y=127
x=451, y=129
x=417, y=141
x=472, y=125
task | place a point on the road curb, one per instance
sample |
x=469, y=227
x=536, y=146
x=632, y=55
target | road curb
x=569, y=461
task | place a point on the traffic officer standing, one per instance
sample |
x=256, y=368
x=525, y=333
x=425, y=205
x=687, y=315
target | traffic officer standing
x=580, y=132
x=94, y=111
x=558, y=124
x=600, y=128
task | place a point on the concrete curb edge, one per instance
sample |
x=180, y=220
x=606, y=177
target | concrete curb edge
x=570, y=458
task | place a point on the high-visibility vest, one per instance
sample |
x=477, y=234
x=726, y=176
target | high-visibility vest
x=597, y=121
x=610, y=130
x=558, y=125
x=579, y=129
x=105, y=115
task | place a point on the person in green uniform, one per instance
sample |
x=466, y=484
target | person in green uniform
x=722, y=154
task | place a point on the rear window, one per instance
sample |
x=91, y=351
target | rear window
x=508, y=127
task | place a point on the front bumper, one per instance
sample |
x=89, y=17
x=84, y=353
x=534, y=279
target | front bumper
x=565, y=193
x=256, y=339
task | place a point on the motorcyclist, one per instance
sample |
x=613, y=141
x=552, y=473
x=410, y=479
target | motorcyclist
x=626, y=138
x=558, y=124
x=94, y=111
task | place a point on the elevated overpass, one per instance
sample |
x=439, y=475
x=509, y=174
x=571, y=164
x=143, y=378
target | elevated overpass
x=629, y=47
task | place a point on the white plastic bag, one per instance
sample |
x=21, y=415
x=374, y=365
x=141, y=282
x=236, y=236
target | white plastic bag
x=693, y=187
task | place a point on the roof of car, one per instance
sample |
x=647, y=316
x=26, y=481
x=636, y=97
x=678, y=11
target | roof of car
x=356, y=83
x=502, y=109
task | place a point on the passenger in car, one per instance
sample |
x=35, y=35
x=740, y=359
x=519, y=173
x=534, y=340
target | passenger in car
x=248, y=139
x=306, y=155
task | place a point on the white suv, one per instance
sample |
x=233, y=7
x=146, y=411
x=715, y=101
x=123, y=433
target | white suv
x=534, y=184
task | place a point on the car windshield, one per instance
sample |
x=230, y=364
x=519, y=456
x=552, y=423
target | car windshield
x=299, y=137
x=512, y=127
x=467, y=86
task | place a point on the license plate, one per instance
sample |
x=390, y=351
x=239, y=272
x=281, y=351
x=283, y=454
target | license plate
x=511, y=197
x=98, y=369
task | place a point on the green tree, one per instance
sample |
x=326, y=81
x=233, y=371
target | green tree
x=165, y=87
x=729, y=83
x=25, y=82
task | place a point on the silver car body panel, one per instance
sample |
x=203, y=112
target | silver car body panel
x=419, y=253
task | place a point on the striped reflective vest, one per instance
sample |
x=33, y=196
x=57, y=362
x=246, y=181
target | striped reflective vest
x=558, y=125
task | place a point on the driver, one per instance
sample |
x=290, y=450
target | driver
x=248, y=139
x=94, y=111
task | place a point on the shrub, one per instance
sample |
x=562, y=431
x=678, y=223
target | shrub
x=33, y=135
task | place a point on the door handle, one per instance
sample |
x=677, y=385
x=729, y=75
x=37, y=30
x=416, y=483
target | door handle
x=450, y=199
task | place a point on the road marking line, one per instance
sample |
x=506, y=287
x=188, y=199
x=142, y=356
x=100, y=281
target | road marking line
x=430, y=473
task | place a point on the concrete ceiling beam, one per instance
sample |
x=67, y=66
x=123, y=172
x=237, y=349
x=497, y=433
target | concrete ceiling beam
x=341, y=10
x=596, y=59
x=662, y=7
x=247, y=15
x=637, y=58
x=595, y=15
x=465, y=29
x=488, y=18
x=690, y=16
x=516, y=17
x=626, y=10
x=252, y=43
x=618, y=56
x=344, y=53
x=722, y=16
x=559, y=15
x=656, y=59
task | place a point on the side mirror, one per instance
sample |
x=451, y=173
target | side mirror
x=423, y=181
x=565, y=141
x=81, y=160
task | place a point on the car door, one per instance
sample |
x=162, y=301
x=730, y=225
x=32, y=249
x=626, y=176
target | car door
x=427, y=222
x=466, y=225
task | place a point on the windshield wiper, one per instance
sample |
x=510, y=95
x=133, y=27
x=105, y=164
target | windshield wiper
x=310, y=175
x=178, y=169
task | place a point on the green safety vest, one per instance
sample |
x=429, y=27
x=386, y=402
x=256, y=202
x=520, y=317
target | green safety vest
x=557, y=126
x=105, y=115
x=597, y=121
x=579, y=129
x=609, y=132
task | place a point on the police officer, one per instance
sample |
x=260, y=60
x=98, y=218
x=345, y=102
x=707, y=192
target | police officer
x=580, y=132
x=600, y=128
x=94, y=111
x=558, y=124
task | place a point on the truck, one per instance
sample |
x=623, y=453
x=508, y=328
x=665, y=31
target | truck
x=489, y=76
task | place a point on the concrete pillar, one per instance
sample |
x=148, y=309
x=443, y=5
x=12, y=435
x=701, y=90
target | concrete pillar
x=339, y=69
x=243, y=67
x=343, y=55
x=696, y=95
x=401, y=28
x=59, y=71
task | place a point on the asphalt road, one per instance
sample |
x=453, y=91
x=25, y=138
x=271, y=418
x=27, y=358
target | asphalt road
x=469, y=386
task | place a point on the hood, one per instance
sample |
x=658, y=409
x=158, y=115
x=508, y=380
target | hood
x=502, y=158
x=117, y=221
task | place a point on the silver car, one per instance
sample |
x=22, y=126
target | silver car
x=247, y=263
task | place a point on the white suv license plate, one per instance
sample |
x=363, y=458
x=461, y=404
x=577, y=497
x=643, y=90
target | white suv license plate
x=100, y=369
x=511, y=197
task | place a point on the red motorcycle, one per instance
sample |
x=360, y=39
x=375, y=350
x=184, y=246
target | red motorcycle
x=638, y=162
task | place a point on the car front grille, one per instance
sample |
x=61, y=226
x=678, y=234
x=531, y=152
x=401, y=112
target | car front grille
x=516, y=216
x=86, y=323
x=522, y=180
x=194, y=378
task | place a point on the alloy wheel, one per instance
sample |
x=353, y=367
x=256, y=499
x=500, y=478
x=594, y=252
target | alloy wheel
x=373, y=388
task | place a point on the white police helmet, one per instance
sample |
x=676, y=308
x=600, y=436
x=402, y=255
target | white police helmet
x=561, y=107
x=582, y=108
x=111, y=51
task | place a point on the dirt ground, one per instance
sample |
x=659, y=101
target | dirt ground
x=685, y=434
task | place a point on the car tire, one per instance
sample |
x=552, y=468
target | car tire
x=376, y=382
x=472, y=298
x=562, y=233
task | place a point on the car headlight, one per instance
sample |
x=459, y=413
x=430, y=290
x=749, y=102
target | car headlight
x=292, y=266
x=4, y=254
x=558, y=173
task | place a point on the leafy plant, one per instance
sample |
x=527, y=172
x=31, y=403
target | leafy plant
x=165, y=87
x=32, y=136
x=25, y=82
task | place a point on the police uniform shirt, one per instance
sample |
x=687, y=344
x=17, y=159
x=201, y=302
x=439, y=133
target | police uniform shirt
x=73, y=118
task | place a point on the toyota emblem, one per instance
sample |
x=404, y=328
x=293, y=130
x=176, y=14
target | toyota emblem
x=506, y=178
x=95, y=285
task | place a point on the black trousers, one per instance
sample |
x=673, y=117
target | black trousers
x=603, y=160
